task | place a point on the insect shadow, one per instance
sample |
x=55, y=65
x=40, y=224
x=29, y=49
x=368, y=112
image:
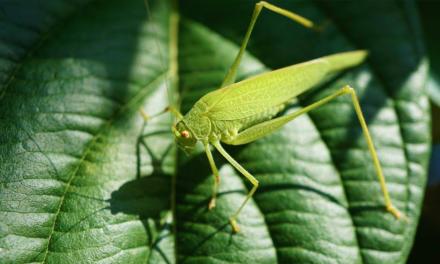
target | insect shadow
x=151, y=208
x=193, y=192
x=148, y=195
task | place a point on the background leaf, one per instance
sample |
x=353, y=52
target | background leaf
x=429, y=19
x=84, y=179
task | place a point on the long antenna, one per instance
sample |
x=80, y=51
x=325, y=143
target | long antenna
x=161, y=57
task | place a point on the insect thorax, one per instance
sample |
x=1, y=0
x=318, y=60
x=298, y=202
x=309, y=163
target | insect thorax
x=199, y=125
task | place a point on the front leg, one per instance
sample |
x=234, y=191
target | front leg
x=214, y=169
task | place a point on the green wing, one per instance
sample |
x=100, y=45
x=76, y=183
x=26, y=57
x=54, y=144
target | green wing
x=264, y=91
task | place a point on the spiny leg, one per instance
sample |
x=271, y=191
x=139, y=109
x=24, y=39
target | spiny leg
x=214, y=169
x=388, y=203
x=357, y=107
x=262, y=129
x=231, y=75
x=233, y=219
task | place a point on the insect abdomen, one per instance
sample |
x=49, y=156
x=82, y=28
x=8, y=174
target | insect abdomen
x=260, y=116
x=226, y=130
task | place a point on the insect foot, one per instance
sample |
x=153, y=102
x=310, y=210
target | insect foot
x=395, y=212
x=234, y=225
x=211, y=204
x=144, y=115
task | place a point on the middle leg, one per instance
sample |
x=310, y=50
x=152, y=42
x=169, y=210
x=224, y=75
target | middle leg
x=233, y=219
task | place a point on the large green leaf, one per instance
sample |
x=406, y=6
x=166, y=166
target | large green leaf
x=84, y=179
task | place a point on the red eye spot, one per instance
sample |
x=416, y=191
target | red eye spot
x=184, y=134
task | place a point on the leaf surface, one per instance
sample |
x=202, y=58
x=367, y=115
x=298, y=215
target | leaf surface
x=85, y=179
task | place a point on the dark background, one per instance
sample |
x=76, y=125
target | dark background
x=426, y=244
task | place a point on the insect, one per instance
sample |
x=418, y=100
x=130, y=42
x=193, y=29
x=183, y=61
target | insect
x=241, y=112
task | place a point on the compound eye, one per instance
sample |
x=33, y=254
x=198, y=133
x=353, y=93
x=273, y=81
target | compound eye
x=184, y=134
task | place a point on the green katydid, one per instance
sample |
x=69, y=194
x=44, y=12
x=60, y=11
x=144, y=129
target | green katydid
x=241, y=112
